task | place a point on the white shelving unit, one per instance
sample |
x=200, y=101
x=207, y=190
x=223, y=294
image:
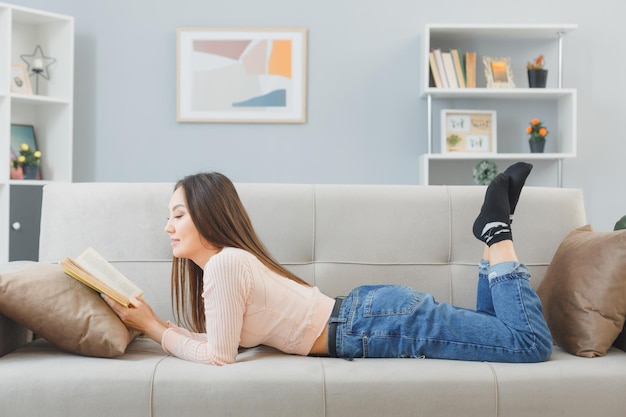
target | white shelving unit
x=555, y=105
x=50, y=112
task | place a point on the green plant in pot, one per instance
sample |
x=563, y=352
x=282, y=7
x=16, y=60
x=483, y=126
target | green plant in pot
x=537, y=136
x=537, y=74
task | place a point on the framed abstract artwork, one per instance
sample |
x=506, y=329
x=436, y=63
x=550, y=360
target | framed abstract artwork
x=241, y=75
x=468, y=131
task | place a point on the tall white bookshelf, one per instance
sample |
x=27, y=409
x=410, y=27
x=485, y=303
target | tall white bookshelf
x=554, y=105
x=50, y=112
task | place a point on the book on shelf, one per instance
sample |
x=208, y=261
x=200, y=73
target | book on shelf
x=448, y=64
x=93, y=270
x=458, y=67
x=470, y=69
x=434, y=69
x=442, y=72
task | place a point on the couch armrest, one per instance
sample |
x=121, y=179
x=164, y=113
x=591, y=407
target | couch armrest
x=12, y=335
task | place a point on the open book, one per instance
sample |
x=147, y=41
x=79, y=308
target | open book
x=93, y=270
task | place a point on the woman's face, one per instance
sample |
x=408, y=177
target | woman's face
x=185, y=238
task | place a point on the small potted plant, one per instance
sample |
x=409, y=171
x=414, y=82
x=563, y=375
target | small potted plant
x=29, y=161
x=537, y=74
x=537, y=136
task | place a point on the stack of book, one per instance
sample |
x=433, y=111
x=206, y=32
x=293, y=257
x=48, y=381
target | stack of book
x=453, y=70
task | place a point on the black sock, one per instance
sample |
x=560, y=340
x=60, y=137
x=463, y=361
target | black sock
x=517, y=174
x=492, y=224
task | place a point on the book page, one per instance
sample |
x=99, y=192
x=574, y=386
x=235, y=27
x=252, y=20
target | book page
x=92, y=262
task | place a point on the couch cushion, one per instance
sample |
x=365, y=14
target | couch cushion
x=41, y=380
x=566, y=385
x=584, y=291
x=60, y=309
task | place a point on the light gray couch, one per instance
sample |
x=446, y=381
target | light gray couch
x=336, y=237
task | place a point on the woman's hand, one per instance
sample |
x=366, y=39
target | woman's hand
x=139, y=316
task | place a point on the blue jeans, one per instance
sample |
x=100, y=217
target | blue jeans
x=389, y=321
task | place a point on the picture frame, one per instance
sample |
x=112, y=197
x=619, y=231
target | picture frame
x=20, y=82
x=238, y=75
x=498, y=72
x=468, y=131
x=21, y=134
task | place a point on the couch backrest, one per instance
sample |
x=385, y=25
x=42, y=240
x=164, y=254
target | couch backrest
x=333, y=236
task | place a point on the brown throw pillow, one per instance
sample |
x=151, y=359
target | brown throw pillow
x=584, y=291
x=63, y=311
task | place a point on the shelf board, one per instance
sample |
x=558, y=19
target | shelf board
x=498, y=156
x=499, y=93
x=36, y=17
x=527, y=31
x=38, y=99
x=31, y=182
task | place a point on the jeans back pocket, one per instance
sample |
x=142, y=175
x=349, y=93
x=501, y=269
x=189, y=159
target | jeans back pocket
x=390, y=300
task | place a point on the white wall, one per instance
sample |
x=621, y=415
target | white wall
x=366, y=121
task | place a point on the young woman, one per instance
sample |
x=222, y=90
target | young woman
x=231, y=293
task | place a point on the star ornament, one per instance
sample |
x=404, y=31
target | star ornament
x=38, y=63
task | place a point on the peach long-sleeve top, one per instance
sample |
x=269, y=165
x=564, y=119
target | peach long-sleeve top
x=246, y=304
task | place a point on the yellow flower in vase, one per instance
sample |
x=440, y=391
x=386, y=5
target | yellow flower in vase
x=29, y=161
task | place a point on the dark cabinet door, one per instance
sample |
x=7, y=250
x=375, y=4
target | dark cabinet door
x=25, y=220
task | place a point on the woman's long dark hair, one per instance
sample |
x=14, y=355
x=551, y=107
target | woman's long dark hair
x=220, y=217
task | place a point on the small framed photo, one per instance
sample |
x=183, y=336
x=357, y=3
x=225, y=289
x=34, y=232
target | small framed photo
x=468, y=131
x=20, y=83
x=498, y=72
x=231, y=75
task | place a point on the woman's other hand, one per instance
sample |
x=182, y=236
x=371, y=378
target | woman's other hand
x=139, y=316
